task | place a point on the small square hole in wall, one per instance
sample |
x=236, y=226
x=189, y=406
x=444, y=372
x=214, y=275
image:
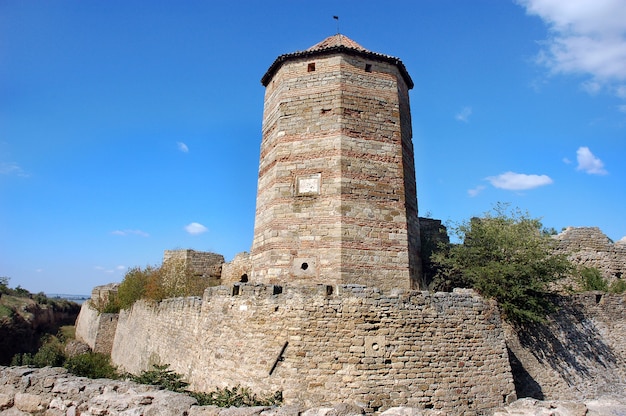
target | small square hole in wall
x=368, y=67
x=311, y=67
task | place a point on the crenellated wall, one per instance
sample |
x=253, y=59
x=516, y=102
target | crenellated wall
x=328, y=344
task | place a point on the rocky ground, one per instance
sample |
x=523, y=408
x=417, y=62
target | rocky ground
x=55, y=392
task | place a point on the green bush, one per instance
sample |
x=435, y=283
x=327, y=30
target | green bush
x=590, y=278
x=91, y=365
x=162, y=377
x=172, y=279
x=236, y=397
x=22, y=359
x=6, y=312
x=50, y=353
x=507, y=256
x=618, y=286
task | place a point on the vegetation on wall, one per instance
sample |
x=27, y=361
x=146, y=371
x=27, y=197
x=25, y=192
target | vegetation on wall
x=172, y=279
x=590, y=278
x=238, y=396
x=505, y=255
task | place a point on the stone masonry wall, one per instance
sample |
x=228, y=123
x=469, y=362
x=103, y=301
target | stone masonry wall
x=328, y=344
x=96, y=329
x=201, y=263
x=579, y=353
x=588, y=246
x=238, y=269
x=336, y=200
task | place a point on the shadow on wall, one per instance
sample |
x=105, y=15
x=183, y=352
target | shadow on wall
x=525, y=384
x=572, y=345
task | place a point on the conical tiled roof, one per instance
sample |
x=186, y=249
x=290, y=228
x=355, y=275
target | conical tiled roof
x=336, y=44
x=337, y=40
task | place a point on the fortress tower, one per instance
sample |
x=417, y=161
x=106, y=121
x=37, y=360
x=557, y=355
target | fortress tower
x=336, y=200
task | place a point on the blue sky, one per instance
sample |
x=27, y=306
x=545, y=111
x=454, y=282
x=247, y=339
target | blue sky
x=131, y=127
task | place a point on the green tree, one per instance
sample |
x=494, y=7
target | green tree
x=4, y=285
x=507, y=256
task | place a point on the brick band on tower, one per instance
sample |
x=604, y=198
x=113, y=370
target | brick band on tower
x=336, y=201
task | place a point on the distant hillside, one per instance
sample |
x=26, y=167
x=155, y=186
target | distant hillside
x=24, y=317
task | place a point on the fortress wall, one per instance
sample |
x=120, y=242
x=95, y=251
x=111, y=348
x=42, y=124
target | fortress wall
x=339, y=344
x=87, y=324
x=588, y=246
x=96, y=329
x=201, y=263
x=579, y=353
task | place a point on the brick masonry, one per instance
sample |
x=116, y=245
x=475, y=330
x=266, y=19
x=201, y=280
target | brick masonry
x=336, y=200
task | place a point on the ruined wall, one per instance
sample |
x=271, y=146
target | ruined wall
x=343, y=343
x=579, y=353
x=201, y=263
x=588, y=246
x=237, y=270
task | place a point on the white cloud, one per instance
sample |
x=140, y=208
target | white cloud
x=587, y=37
x=110, y=271
x=475, y=191
x=464, y=114
x=567, y=161
x=588, y=162
x=182, y=147
x=10, y=168
x=518, y=181
x=130, y=232
x=196, y=228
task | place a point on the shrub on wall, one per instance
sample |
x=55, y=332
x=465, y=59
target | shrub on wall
x=507, y=256
x=590, y=278
x=172, y=279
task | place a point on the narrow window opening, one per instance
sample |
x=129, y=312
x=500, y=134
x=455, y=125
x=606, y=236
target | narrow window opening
x=244, y=278
x=368, y=67
x=329, y=290
x=235, y=290
x=304, y=266
x=311, y=67
x=598, y=298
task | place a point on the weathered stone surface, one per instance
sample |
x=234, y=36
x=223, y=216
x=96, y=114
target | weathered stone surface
x=323, y=345
x=336, y=201
x=6, y=401
x=30, y=403
x=590, y=247
x=579, y=353
x=200, y=263
x=606, y=406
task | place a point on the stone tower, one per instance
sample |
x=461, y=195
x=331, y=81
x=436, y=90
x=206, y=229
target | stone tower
x=336, y=201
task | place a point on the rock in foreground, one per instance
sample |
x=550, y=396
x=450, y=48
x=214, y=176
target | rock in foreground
x=55, y=392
